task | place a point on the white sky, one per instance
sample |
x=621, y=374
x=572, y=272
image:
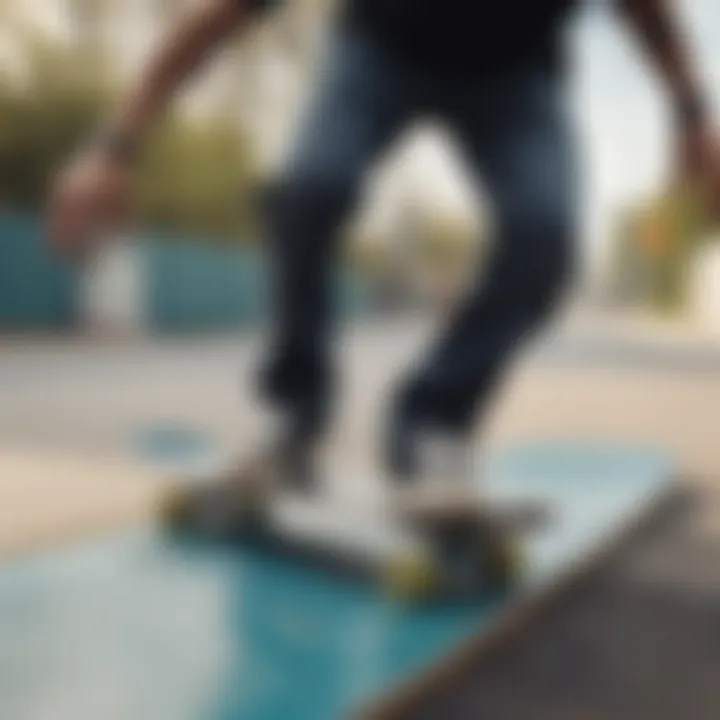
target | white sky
x=622, y=113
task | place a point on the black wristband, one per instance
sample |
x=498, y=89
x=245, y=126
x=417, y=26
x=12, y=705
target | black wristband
x=262, y=6
x=118, y=146
x=691, y=111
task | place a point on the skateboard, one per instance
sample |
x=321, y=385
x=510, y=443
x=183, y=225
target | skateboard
x=430, y=546
x=204, y=631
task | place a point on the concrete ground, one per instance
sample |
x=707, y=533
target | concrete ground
x=638, y=641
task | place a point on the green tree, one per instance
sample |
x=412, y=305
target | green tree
x=653, y=247
x=198, y=177
x=44, y=115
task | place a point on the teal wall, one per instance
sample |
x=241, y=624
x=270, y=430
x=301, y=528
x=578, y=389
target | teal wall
x=192, y=286
x=37, y=291
x=189, y=286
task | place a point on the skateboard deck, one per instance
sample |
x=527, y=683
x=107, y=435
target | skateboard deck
x=144, y=627
x=447, y=546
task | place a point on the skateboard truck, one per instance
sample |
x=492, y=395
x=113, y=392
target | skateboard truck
x=426, y=554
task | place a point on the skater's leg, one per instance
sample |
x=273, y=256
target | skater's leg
x=365, y=99
x=514, y=135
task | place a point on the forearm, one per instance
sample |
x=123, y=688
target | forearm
x=656, y=24
x=200, y=32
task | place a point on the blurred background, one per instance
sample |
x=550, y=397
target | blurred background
x=144, y=359
x=65, y=61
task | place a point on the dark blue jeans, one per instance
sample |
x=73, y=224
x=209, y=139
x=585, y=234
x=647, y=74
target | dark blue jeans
x=513, y=133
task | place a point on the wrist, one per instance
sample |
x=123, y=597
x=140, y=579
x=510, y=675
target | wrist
x=690, y=111
x=119, y=146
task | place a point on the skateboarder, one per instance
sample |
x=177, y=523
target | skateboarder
x=495, y=75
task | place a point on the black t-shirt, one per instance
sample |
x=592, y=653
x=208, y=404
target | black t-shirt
x=474, y=35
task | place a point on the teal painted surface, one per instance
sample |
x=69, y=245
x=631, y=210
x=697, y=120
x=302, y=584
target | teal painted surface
x=139, y=628
x=193, y=286
x=189, y=286
x=37, y=290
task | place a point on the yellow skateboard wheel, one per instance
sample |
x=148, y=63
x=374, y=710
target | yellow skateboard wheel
x=506, y=563
x=411, y=578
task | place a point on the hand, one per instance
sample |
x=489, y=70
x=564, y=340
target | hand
x=90, y=200
x=699, y=149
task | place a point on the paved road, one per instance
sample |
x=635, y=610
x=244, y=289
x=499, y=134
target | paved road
x=588, y=377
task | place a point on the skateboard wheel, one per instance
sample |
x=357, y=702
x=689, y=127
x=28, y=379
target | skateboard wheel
x=411, y=578
x=505, y=564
